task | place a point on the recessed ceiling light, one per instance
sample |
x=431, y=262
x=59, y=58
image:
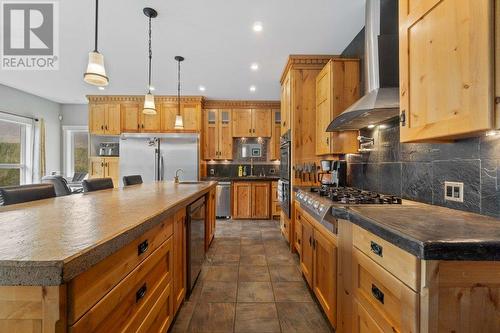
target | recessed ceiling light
x=101, y=88
x=253, y=88
x=257, y=27
x=254, y=66
x=202, y=88
x=371, y=126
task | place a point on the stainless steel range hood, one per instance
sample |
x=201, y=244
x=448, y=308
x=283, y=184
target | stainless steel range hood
x=381, y=103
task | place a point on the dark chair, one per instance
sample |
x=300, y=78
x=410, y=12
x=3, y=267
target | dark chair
x=132, y=180
x=11, y=195
x=60, y=185
x=97, y=184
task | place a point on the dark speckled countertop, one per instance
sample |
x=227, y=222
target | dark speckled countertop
x=432, y=232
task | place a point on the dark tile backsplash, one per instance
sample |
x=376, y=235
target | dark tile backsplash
x=231, y=170
x=418, y=171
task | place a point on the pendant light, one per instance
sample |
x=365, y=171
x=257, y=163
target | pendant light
x=96, y=73
x=179, y=123
x=149, y=99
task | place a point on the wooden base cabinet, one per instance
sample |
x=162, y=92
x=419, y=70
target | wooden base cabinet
x=318, y=262
x=105, y=167
x=211, y=219
x=179, y=259
x=251, y=200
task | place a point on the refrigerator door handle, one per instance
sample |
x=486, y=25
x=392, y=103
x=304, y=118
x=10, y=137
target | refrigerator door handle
x=162, y=168
x=156, y=165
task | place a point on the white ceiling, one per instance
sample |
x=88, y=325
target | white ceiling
x=215, y=37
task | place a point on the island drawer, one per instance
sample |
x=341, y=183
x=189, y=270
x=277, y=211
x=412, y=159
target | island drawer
x=161, y=315
x=398, y=262
x=85, y=290
x=392, y=304
x=128, y=304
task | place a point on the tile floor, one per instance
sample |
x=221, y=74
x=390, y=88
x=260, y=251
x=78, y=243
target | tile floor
x=250, y=283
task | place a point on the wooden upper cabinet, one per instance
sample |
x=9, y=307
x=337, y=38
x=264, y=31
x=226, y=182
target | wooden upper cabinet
x=190, y=112
x=168, y=113
x=261, y=123
x=446, y=68
x=242, y=123
x=218, y=138
x=104, y=119
x=274, y=143
x=131, y=117
x=151, y=122
x=286, y=104
x=337, y=88
x=225, y=138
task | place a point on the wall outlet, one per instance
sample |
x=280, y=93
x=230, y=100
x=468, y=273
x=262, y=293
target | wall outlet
x=454, y=191
x=212, y=172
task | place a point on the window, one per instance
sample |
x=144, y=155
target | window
x=15, y=151
x=76, y=149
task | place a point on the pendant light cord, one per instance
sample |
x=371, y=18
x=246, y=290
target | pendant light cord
x=179, y=88
x=150, y=57
x=96, y=21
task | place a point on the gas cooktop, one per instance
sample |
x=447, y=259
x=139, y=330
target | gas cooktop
x=354, y=196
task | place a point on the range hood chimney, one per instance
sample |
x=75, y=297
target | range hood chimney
x=381, y=102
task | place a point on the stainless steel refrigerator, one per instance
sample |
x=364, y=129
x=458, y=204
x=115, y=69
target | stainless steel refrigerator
x=158, y=156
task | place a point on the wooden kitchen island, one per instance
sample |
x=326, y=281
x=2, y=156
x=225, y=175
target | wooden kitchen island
x=112, y=261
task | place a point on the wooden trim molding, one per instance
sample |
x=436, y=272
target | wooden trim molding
x=296, y=61
x=140, y=98
x=237, y=104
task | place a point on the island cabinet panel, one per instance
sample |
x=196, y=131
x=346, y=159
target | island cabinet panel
x=180, y=266
x=211, y=220
x=362, y=321
x=32, y=309
x=85, y=290
x=446, y=68
x=128, y=303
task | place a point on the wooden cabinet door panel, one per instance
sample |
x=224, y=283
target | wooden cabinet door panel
x=113, y=119
x=168, y=113
x=112, y=169
x=151, y=123
x=261, y=123
x=179, y=254
x=306, y=259
x=324, y=275
x=242, y=200
x=286, y=104
x=130, y=117
x=323, y=109
x=96, y=168
x=97, y=118
x=191, y=116
x=446, y=68
x=363, y=323
x=225, y=137
x=261, y=199
x=242, y=123
x=211, y=144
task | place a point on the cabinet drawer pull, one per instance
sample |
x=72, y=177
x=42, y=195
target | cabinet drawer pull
x=378, y=294
x=102, y=127
x=141, y=293
x=310, y=241
x=402, y=118
x=249, y=130
x=143, y=247
x=298, y=241
x=377, y=249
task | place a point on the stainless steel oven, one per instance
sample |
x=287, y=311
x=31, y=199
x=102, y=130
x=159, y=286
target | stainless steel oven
x=284, y=196
x=195, y=241
x=284, y=190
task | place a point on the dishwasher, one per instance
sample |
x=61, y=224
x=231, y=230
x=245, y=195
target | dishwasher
x=195, y=239
x=223, y=193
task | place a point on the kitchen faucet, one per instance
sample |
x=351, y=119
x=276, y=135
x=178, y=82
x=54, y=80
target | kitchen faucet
x=176, y=178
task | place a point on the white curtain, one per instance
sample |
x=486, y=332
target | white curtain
x=39, y=163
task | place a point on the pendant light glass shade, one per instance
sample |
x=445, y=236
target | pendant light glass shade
x=179, y=123
x=149, y=104
x=96, y=73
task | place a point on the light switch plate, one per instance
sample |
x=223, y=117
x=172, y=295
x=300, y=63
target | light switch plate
x=454, y=191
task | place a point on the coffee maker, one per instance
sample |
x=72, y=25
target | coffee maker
x=333, y=173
